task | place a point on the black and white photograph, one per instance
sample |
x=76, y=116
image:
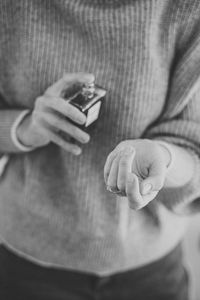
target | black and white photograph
x=99, y=149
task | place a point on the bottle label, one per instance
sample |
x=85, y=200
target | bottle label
x=93, y=113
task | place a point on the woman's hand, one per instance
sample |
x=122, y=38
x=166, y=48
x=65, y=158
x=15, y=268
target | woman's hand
x=50, y=118
x=137, y=169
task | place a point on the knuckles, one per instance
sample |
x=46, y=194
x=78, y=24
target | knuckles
x=39, y=103
x=123, y=162
x=55, y=122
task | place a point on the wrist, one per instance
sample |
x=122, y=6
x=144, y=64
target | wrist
x=22, y=132
x=17, y=133
x=28, y=135
x=181, y=168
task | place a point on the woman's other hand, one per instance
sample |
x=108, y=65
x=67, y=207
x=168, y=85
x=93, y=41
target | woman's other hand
x=137, y=169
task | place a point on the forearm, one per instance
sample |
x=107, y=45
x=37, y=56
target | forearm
x=181, y=168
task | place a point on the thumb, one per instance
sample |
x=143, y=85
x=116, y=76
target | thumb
x=69, y=80
x=155, y=179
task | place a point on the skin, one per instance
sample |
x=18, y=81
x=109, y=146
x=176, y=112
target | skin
x=136, y=168
x=52, y=114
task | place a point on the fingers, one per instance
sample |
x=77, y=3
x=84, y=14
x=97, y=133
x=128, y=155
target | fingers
x=58, y=140
x=119, y=177
x=68, y=80
x=108, y=164
x=112, y=177
x=139, y=178
x=155, y=179
x=60, y=105
x=117, y=165
x=133, y=191
x=125, y=167
x=52, y=114
x=136, y=201
x=59, y=124
x=116, y=169
x=141, y=193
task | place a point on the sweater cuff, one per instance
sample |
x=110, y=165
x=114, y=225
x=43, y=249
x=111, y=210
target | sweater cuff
x=7, y=119
x=168, y=147
x=186, y=199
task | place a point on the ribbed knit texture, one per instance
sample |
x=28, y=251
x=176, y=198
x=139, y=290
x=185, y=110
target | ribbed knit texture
x=54, y=207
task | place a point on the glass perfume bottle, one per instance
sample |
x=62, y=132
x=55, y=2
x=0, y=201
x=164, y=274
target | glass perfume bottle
x=88, y=99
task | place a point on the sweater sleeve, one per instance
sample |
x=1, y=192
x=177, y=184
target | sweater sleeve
x=184, y=131
x=7, y=119
x=180, y=120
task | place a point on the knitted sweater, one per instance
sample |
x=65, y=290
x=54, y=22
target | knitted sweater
x=54, y=207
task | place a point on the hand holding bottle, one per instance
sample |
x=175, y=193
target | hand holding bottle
x=51, y=116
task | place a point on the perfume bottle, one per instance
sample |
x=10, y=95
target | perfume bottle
x=88, y=99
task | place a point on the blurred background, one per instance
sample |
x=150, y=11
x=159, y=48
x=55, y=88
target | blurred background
x=191, y=251
x=192, y=255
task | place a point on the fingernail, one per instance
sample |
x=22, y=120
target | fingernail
x=86, y=139
x=77, y=151
x=81, y=120
x=109, y=188
x=147, y=188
